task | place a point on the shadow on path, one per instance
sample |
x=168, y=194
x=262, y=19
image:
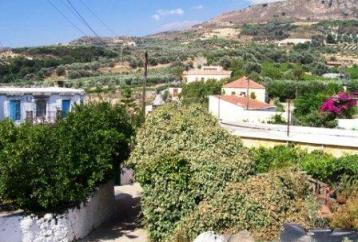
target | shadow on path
x=126, y=224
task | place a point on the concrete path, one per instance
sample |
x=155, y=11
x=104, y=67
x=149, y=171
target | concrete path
x=126, y=227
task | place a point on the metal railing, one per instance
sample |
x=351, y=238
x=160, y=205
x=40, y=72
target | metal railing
x=49, y=117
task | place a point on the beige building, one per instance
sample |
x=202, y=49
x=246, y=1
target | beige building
x=243, y=86
x=206, y=73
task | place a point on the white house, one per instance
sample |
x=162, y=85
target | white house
x=173, y=93
x=37, y=104
x=293, y=41
x=206, y=73
x=244, y=85
x=232, y=108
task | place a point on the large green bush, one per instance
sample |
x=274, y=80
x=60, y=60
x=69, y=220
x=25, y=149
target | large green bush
x=260, y=205
x=182, y=158
x=47, y=168
x=319, y=165
x=198, y=92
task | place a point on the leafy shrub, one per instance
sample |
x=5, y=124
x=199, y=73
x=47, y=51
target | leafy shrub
x=341, y=105
x=307, y=111
x=183, y=157
x=48, y=168
x=319, y=165
x=267, y=159
x=347, y=216
x=260, y=205
x=198, y=92
x=277, y=119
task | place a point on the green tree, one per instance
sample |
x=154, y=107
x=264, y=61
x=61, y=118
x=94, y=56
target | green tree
x=198, y=92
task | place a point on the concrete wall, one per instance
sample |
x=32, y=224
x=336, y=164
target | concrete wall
x=74, y=224
x=351, y=124
x=28, y=103
x=226, y=111
x=333, y=141
x=259, y=93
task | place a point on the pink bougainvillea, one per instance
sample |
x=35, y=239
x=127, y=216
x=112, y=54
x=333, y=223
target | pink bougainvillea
x=340, y=104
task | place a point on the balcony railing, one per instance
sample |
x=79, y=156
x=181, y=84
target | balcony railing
x=49, y=117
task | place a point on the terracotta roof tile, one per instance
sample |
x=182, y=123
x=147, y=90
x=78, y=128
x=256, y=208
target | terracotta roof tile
x=242, y=83
x=243, y=101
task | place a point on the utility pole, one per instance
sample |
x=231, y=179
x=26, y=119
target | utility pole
x=288, y=117
x=145, y=82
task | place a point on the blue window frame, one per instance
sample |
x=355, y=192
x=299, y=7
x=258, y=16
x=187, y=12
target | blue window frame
x=66, y=105
x=15, y=110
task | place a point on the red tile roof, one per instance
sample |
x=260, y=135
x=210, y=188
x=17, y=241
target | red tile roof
x=243, y=101
x=243, y=82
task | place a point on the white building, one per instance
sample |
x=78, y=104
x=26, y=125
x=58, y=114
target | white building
x=37, y=104
x=293, y=41
x=244, y=85
x=173, y=93
x=206, y=73
x=240, y=109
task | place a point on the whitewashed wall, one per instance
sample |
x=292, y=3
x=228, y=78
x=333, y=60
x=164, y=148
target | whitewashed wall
x=72, y=225
x=229, y=112
x=348, y=124
x=28, y=103
x=197, y=78
x=2, y=101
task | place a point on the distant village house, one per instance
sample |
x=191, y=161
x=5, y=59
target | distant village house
x=244, y=85
x=293, y=41
x=38, y=105
x=206, y=73
x=235, y=105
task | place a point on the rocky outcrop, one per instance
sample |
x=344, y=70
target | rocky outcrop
x=294, y=10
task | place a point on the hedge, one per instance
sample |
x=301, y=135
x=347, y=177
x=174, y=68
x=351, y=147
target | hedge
x=48, y=168
x=261, y=205
x=183, y=157
x=319, y=165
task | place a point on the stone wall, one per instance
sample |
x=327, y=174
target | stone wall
x=74, y=224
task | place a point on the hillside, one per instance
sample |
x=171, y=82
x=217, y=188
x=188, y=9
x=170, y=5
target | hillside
x=291, y=10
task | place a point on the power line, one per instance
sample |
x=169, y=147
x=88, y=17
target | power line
x=65, y=17
x=82, y=19
x=98, y=18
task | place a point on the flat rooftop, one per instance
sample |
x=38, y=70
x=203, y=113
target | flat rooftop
x=308, y=135
x=50, y=90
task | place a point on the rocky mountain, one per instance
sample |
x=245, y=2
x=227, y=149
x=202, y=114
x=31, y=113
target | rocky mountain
x=291, y=10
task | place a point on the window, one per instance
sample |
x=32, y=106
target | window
x=66, y=105
x=15, y=110
x=41, y=105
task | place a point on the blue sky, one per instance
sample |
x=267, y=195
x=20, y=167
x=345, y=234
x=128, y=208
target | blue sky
x=36, y=22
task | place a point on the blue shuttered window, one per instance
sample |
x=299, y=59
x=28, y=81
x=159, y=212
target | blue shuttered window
x=15, y=110
x=66, y=105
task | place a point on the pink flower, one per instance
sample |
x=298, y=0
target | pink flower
x=340, y=104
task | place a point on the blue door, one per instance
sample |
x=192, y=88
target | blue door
x=66, y=105
x=15, y=111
